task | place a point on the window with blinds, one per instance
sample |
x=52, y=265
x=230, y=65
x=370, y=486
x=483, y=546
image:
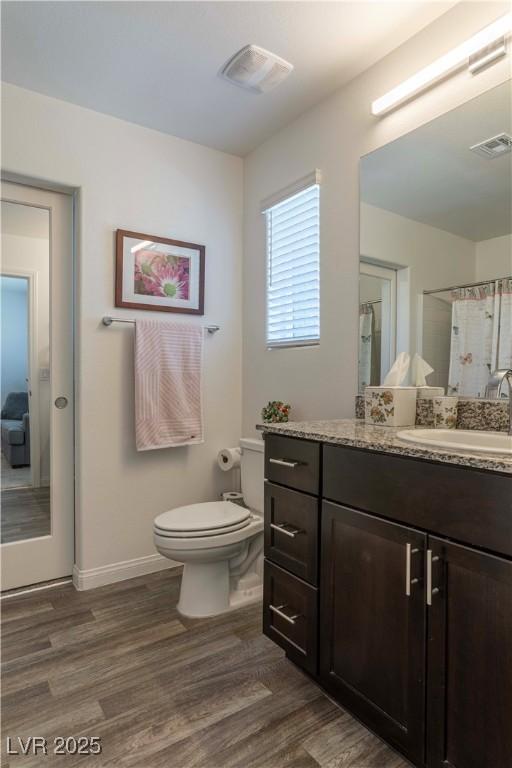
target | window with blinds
x=293, y=269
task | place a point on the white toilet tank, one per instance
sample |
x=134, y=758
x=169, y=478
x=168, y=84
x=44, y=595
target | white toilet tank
x=252, y=472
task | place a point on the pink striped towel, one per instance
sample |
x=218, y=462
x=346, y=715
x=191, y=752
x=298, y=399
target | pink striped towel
x=168, y=384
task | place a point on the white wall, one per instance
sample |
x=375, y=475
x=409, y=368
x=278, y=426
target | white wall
x=14, y=336
x=322, y=381
x=434, y=258
x=494, y=258
x=32, y=254
x=135, y=178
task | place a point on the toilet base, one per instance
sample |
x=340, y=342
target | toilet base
x=239, y=598
x=206, y=590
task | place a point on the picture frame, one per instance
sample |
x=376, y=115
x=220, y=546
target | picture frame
x=159, y=274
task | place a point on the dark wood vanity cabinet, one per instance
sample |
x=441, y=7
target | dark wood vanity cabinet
x=398, y=584
x=373, y=623
x=469, y=652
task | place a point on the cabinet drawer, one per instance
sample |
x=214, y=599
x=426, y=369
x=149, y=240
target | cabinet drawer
x=291, y=531
x=290, y=608
x=293, y=462
x=471, y=506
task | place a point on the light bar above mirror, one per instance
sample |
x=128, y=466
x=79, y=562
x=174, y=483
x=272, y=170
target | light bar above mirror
x=450, y=62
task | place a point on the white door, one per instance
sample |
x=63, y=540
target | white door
x=378, y=288
x=37, y=523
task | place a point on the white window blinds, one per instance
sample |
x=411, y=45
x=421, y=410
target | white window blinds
x=293, y=269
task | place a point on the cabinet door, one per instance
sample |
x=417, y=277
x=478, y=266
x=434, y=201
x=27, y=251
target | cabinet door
x=469, y=659
x=372, y=623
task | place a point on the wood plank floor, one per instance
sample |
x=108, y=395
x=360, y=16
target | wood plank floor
x=13, y=477
x=119, y=662
x=25, y=513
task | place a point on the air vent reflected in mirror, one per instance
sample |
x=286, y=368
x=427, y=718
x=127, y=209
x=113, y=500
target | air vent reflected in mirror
x=494, y=147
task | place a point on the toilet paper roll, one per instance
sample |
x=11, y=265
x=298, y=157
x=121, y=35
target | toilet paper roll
x=228, y=458
x=234, y=496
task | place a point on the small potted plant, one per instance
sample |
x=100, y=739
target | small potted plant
x=276, y=411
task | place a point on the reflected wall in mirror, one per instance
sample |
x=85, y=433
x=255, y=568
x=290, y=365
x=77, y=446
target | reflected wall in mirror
x=436, y=215
x=25, y=373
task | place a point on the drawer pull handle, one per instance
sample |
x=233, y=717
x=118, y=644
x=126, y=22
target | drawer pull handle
x=285, y=463
x=278, y=610
x=431, y=590
x=408, y=581
x=286, y=529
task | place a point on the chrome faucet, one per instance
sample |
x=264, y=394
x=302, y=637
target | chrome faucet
x=493, y=390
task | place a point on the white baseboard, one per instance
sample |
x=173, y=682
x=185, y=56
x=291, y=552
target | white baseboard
x=127, y=569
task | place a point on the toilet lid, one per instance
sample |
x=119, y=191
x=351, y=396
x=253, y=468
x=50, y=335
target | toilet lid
x=208, y=518
x=166, y=534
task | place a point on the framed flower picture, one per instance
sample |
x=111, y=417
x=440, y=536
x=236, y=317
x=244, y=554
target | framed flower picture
x=159, y=274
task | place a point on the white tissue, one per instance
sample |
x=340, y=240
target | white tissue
x=228, y=458
x=234, y=497
x=398, y=371
x=420, y=371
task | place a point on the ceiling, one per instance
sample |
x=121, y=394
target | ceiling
x=156, y=63
x=431, y=176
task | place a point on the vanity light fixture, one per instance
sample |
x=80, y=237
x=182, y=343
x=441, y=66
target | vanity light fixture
x=450, y=62
x=486, y=57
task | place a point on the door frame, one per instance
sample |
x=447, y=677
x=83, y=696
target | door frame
x=389, y=310
x=33, y=366
x=63, y=217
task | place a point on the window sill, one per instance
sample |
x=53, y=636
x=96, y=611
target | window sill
x=291, y=344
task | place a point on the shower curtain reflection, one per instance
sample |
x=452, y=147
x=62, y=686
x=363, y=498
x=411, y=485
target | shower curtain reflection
x=481, y=335
x=366, y=344
x=370, y=343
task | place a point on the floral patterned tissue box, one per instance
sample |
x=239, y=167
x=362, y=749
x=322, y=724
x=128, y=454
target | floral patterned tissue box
x=445, y=412
x=390, y=406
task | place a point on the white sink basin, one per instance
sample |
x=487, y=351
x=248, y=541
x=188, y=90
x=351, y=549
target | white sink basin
x=460, y=440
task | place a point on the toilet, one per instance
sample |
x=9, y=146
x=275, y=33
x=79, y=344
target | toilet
x=220, y=544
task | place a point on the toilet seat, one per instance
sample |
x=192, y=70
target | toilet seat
x=210, y=518
x=166, y=541
x=198, y=534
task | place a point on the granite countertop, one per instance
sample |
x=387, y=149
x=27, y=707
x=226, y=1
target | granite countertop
x=353, y=432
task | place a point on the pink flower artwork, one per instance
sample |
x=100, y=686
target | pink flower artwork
x=161, y=274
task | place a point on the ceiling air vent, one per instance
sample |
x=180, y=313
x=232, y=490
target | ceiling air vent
x=495, y=147
x=256, y=69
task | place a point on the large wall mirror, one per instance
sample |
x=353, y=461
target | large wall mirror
x=25, y=372
x=436, y=248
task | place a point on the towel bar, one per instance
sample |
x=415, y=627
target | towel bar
x=107, y=320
